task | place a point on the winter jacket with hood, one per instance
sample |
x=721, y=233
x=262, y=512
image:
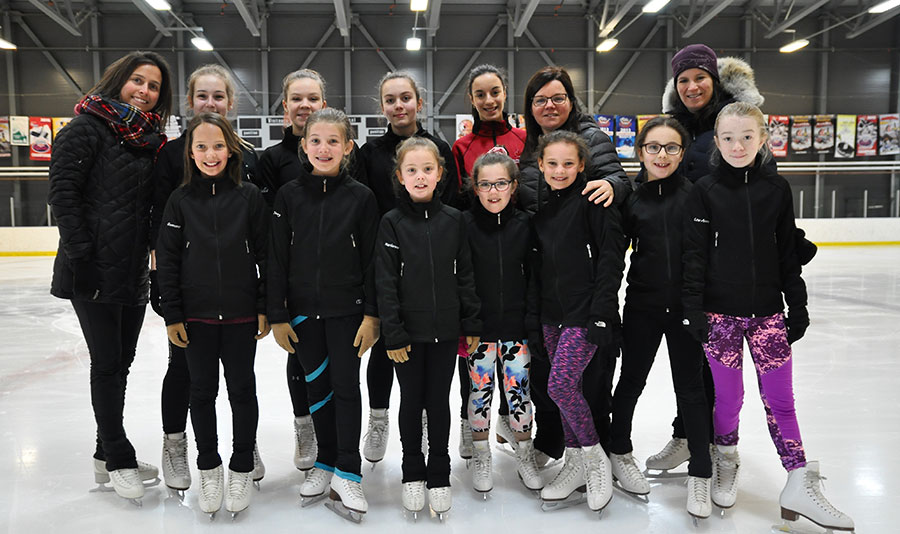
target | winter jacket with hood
x=211, y=251
x=101, y=191
x=739, y=244
x=490, y=136
x=604, y=164
x=423, y=268
x=321, y=247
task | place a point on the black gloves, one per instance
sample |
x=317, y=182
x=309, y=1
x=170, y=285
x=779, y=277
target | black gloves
x=806, y=249
x=697, y=325
x=536, y=345
x=796, y=321
x=155, y=299
x=85, y=280
x=600, y=332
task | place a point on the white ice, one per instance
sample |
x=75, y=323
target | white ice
x=844, y=379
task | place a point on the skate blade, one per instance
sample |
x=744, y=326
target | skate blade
x=574, y=499
x=306, y=502
x=664, y=474
x=696, y=521
x=153, y=482
x=790, y=527
x=341, y=510
x=441, y=516
x=137, y=502
x=101, y=488
x=411, y=513
x=636, y=496
x=177, y=493
x=505, y=448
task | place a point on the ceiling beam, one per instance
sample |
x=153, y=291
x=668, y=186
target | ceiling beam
x=342, y=14
x=56, y=65
x=152, y=16
x=434, y=17
x=251, y=21
x=368, y=36
x=883, y=17
x=796, y=18
x=525, y=18
x=620, y=14
x=708, y=16
x=68, y=25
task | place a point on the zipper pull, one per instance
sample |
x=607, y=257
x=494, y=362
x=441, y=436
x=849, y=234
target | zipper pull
x=214, y=188
x=353, y=240
x=716, y=242
x=426, y=214
x=292, y=237
x=186, y=245
x=454, y=266
x=324, y=185
x=401, y=268
x=660, y=189
x=589, y=251
x=498, y=219
x=746, y=173
x=247, y=244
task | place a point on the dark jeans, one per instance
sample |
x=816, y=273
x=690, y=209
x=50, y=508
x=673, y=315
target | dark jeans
x=597, y=386
x=235, y=345
x=643, y=331
x=331, y=366
x=464, y=387
x=379, y=377
x=425, y=384
x=297, y=386
x=111, y=332
x=176, y=392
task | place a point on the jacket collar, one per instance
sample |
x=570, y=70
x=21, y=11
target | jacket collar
x=664, y=187
x=492, y=221
x=421, y=210
x=291, y=141
x=734, y=176
x=575, y=188
x=395, y=139
x=212, y=186
x=492, y=128
x=322, y=184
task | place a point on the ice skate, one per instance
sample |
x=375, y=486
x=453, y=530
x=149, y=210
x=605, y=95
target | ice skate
x=305, y=445
x=259, y=468
x=146, y=472
x=413, y=497
x=347, y=500
x=127, y=484
x=465, y=440
x=568, y=488
x=176, y=471
x=313, y=488
x=425, y=434
x=726, y=466
x=440, y=500
x=699, y=504
x=212, y=489
x=504, y=433
x=482, y=478
x=628, y=478
x=376, y=438
x=527, y=468
x=597, y=477
x=802, y=496
x=237, y=499
x=675, y=453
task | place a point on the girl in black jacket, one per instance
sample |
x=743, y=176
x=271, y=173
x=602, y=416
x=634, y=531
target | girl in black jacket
x=212, y=243
x=499, y=236
x=426, y=298
x=652, y=218
x=322, y=292
x=100, y=193
x=740, y=268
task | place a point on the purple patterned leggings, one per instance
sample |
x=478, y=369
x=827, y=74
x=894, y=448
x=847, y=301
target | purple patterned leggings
x=570, y=353
x=771, y=354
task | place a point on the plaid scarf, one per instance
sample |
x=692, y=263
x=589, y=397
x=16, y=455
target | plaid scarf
x=139, y=129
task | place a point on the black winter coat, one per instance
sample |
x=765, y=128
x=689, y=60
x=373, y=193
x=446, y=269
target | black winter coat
x=739, y=244
x=423, y=268
x=581, y=259
x=321, y=247
x=211, y=251
x=377, y=158
x=604, y=164
x=101, y=190
x=502, y=257
x=653, y=220
x=168, y=175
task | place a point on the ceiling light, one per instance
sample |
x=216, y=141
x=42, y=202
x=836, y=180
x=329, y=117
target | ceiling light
x=159, y=5
x=654, y=5
x=418, y=5
x=607, y=45
x=413, y=43
x=887, y=5
x=6, y=45
x=793, y=46
x=202, y=44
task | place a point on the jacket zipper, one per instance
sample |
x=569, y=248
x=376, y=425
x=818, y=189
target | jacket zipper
x=247, y=244
x=431, y=264
x=752, y=246
x=218, y=252
x=353, y=240
x=319, y=251
x=668, y=247
x=500, y=256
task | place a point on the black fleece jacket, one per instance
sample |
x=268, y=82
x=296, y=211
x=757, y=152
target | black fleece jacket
x=321, y=248
x=426, y=287
x=581, y=259
x=502, y=256
x=739, y=244
x=212, y=244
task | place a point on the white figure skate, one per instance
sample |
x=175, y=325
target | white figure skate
x=237, y=499
x=802, y=496
x=568, y=488
x=482, y=477
x=305, y=446
x=176, y=472
x=313, y=488
x=440, y=500
x=347, y=500
x=212, y=489
x=628, y=478
x=413, y=497
x=376, y=439
x=671, y=456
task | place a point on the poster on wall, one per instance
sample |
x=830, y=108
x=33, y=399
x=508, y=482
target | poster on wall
x=5, y=145
x=643, y=119
x=823, y=134
x=845, y=136
x=866, y=135
x=888, y=136
x=516, y=121
x=801, y=134
x=58, y=123
x=18, y=127
x=174, y=127
x=626, y=129
x=40, y=138
x=779, y=126
x=607, y=124
x=261, y=131
x=464, y=124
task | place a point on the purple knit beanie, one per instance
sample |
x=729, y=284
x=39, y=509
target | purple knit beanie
x=695, y=56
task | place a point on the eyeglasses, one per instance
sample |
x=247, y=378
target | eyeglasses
x=671, y=149
x=541, y=101
x=500, y=186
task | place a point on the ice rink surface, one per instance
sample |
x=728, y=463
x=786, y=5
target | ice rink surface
x=846, y=374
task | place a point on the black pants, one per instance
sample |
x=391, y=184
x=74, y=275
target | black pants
x=331, y=367
x=465, y=387
x=425, y=383
x=643, y=331
x=379, y=377
x=235, y=345
x=597, y=382
x=678, y=428
x=111, y=332
x=297, y=386
x=176, y=392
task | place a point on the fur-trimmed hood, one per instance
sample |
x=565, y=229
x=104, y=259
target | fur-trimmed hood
x=736, y=77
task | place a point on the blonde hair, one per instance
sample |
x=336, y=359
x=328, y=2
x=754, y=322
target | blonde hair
x=747, y=111
x=339, y=119
x=299, y=75
x=211, y=70
x=407, y=146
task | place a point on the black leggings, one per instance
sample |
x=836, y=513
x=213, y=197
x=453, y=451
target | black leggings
x=111, y=332
x=297, y=386
x=235, y=345
x=379, y=377
x=643, y=331
x=331, y=366
x=176, y=392
x=425, y=384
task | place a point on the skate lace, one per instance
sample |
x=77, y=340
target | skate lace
x=726, y=471
x=814, y=485
x=126, y=477
x=527, y=464
x=307, y=446
x=630, y=470
x=354, y=491
x=176, y=459
x=316, y=477
x=671, y=448
x=699, y=491
x=568, y=471
x=375, y=434
x=483, y=465
x=209, y=485
x=593, y=477
x=239, y=485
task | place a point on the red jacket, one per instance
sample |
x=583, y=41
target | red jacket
x=489, y=137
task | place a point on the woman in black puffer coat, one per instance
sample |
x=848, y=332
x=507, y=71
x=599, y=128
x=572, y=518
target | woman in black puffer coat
x=101, y=191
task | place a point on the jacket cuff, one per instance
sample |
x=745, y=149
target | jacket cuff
x=174, y=317
x=370, y=309
x=399, y=342
x=278, y=316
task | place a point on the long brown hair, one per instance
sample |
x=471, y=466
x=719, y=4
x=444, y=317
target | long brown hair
x=116, y=75
x=232, y=141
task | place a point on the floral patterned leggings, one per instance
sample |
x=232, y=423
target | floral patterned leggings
x=516, y=361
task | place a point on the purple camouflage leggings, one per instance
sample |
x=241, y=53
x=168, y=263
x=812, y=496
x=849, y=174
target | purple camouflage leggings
x=771, y=354
x=570, y=353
